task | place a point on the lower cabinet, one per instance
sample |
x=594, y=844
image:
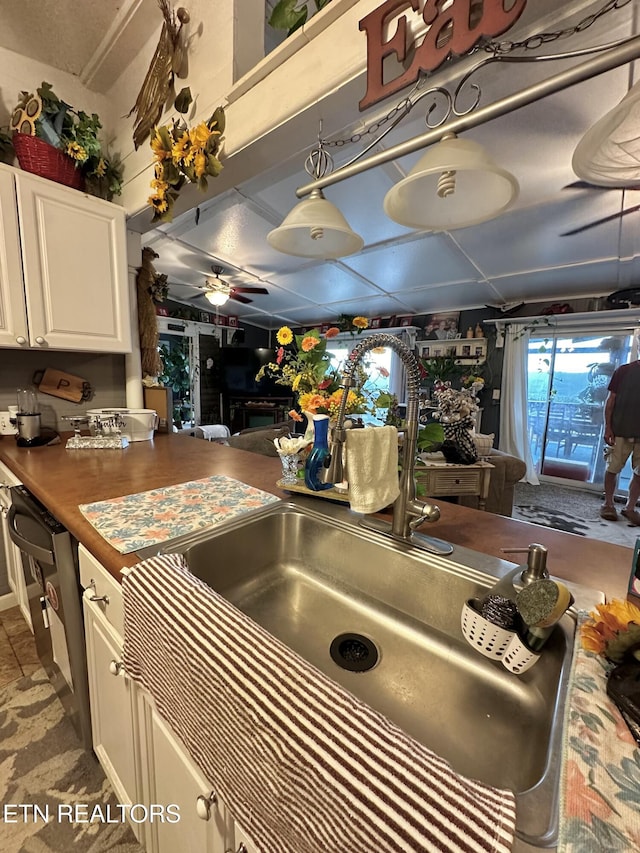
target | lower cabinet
x=12, y=555
x=145, y=762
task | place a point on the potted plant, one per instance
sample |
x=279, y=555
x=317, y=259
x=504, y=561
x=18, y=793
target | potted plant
x=55, y=141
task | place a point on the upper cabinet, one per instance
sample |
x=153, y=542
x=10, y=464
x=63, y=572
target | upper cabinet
x=63, y=268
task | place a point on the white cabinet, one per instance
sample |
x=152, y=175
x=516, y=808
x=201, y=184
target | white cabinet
x=142, y=758
x=204, y=825
x=12, y=554
x=112, y=699
x=63, y=268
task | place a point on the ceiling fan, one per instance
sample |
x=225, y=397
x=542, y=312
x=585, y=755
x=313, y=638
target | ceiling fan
x=217, y=291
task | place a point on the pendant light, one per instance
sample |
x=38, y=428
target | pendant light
x=315, y=228
x=454, y=184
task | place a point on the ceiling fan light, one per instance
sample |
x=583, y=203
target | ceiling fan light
x=454, y=184
x=315, y=228
x=216, y=297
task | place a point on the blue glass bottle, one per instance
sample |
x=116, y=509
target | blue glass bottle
x=319, y=455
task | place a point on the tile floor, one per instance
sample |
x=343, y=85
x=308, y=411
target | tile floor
x=18, y=655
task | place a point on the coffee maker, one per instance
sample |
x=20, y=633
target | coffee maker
x=30, y=432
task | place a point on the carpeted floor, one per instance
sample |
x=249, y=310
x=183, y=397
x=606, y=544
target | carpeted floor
x=573, y=511
x=42, y=764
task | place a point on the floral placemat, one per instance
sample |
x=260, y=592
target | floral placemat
x=148, y=518
x=600, y=794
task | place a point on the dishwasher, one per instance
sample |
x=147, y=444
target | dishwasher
x=50, y=565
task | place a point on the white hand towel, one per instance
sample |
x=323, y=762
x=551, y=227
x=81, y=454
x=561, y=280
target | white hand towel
x=371, y=456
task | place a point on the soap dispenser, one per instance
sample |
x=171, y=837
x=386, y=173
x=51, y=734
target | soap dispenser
x=535, y=569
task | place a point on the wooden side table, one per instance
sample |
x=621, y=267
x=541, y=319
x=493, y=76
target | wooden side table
x=445, y=478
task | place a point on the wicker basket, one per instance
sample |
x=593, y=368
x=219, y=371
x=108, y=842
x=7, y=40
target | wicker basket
x=38, y=157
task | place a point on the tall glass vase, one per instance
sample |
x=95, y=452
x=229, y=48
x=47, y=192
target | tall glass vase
x=319, y=455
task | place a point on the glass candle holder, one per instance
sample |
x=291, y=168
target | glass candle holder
x=290, y=464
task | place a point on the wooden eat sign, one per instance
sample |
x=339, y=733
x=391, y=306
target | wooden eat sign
x=451, y=32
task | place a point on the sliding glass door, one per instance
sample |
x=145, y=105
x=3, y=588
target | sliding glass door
x=568, y=377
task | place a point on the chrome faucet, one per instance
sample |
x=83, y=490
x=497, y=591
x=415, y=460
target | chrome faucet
x=408, y=513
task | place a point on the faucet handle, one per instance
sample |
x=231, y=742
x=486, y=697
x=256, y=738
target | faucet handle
x=536, y=562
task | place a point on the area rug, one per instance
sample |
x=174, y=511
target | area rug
x=572, y=511
x=43, y=766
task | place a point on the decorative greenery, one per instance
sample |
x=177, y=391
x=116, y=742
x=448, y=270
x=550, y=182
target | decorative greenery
x=355, y=325
x=176, y=375
x=290, y=15
x=76, y=133
x=440, y=368
x=184, y=154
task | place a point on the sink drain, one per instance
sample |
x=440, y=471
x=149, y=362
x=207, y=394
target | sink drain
x=354, y=652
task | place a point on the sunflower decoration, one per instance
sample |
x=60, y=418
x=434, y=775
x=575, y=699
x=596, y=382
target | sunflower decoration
x=304, y=365
x=613, y=630
x=182, y=154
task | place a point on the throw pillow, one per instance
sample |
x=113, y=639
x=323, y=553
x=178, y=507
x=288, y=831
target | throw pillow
x=483, y=443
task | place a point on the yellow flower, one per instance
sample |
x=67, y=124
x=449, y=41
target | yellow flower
x=159, y=151
x=607, y=625
x=284, y=336
x=181, y=148
x=76, y=151
x=311, y=402
x=361, y=322
x=158, y=203
x=101, y=168
x=159, y=186
x=199, y=135
x=200, y=164
x=309, y=343
x=296, y=381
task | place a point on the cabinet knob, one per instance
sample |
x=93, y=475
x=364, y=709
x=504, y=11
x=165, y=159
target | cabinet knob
x=40, y=340
x=21, y=340
x=203, y=805
x=116, y=667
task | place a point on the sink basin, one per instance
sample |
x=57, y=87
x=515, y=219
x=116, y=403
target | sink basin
x=310, y=577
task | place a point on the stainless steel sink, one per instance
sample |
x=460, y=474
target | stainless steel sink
x=309, y=576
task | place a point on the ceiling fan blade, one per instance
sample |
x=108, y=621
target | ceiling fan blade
x=250, y=290
x=585, y=185
x=601, y=221
x=239, y=298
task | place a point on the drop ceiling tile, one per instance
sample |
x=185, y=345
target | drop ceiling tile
x=448, y=297
x=597, y=279
x=416, y=262
x=531, y=239
x=326, y=282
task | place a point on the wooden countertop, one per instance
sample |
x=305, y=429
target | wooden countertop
x=62, y=479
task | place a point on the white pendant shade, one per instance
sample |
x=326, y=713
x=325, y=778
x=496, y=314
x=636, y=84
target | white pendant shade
x=216, y=297
x=315, y=228
x=454, y=184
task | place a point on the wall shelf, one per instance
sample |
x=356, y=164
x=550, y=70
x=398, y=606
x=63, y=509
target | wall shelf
x=465, y=350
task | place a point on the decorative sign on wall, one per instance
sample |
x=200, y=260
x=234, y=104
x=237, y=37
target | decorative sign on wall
x=450, y=32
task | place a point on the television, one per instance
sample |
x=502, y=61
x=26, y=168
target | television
x=239, y=368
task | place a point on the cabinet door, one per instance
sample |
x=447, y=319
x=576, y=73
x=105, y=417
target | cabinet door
x=112, y=697
x=75, y=268
x=204, y=826
x=13, y=317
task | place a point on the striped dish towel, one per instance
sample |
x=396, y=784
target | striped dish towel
x=301, y=763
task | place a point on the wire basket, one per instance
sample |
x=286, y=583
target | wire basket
x=495, y=642
x=38, y=157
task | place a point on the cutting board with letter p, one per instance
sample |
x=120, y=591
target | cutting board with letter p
x=63, y=385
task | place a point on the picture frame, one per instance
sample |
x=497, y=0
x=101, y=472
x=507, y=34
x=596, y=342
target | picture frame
x=393, y=321
x=205, y=317
x=451, y=351
x=232, y=321
x=466, y=351
x=162, y=312
x=221, y=320
x=436, y=351
x=405, y=321
x=375, y=323
x=479, y=351
x=424, y=352
x=458, y=336
x=441, y=326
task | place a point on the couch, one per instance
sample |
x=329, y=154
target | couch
x=508, y=470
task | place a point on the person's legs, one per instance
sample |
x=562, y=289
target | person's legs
x=630, y=512
x=616, y=458
x=634, y=492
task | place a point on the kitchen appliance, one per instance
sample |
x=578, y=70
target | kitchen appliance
x=50, y=565
x=28, y=417
x=139, y=424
